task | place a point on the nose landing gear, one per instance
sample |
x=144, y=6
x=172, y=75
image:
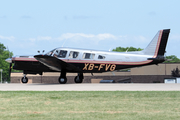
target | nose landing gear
x=62, y=78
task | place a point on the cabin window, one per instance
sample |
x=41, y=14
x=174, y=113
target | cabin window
x=60, y=53
x=101, y=57
x=73, y=54
x=88, y=55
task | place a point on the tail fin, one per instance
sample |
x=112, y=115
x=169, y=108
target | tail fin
x=158, y=44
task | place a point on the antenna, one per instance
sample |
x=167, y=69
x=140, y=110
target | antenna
x=127, y=50
x=64, y=43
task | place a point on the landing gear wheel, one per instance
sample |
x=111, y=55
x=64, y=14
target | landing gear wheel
x=62, y=80
x=24, y=79
x=77, y=79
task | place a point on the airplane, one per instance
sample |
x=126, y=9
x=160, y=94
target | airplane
x=70, y=60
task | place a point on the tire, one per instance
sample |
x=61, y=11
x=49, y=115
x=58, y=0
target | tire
x=62, y=80
x=78, y=80
x=24, y=80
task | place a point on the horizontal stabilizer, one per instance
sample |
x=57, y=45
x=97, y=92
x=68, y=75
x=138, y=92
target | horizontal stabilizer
x=159, y=58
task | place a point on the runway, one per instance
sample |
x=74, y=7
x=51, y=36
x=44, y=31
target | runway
x=90, y=87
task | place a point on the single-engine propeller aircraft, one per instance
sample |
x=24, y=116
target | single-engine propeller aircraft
x=81, y=61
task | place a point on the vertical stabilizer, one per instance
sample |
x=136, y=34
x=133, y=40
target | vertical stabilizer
x=158, y=44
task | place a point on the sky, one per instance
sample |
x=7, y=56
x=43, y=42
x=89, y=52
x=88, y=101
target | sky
x=27, y=26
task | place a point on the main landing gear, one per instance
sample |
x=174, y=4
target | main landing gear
x=63, y=79
x=79, y=78
x=24, y=79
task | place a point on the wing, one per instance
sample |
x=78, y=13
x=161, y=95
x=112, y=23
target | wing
x=56, y=64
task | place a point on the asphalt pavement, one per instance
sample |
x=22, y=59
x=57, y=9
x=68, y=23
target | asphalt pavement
x=91, y=87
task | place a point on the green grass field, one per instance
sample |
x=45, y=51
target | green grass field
x=123, y=105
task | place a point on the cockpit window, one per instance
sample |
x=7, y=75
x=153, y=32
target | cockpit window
x=88, y=55
x=60, y=53
x=73, y=54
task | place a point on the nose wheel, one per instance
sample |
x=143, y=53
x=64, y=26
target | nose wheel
x=79, y=78
x=62, y=79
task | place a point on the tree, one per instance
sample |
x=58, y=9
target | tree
x=172, y=59
x=175, y=72
x=4, y=54
x=122, y=49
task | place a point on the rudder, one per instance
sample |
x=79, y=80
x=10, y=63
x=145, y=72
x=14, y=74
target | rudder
x=158, y=44
x=163, y=42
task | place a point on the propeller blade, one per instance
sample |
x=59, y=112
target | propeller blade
x=10, y=67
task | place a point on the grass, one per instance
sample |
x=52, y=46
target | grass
x=92, y=105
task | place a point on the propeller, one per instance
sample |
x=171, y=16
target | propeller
x=10, y=68
x=9, y=60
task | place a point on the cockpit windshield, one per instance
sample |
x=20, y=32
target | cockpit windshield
x=50, y=53
x=57, y=53
x=60, y=53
